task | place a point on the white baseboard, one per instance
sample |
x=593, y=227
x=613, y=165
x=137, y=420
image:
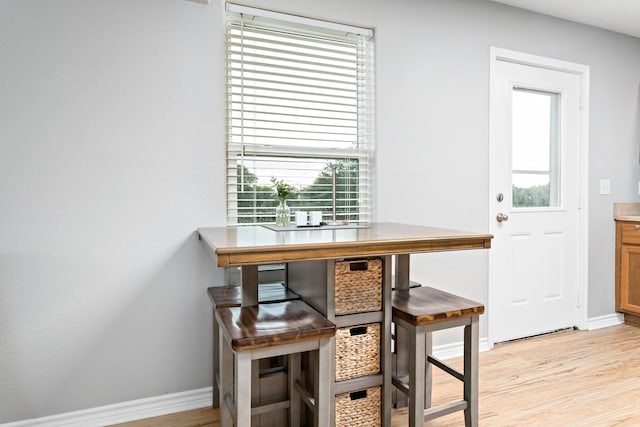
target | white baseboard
x=605, y=321
x=194, y=399
x=449, y=351
x=125, y=411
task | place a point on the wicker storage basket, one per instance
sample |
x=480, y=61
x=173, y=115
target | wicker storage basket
x=358, y=286
x=357, y=351
x=359, y=408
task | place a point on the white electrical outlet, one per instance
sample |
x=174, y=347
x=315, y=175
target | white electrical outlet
x=605, y=186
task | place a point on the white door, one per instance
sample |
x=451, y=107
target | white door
x=534, y=210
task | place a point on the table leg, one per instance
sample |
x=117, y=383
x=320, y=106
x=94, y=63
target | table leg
x=402, y=271
x=249, y=283
x=401, y=361
x=387, y=357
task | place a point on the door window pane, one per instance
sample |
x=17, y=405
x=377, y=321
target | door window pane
x=535, y=148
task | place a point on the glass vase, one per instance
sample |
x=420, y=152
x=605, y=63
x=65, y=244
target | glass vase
x=283, y=214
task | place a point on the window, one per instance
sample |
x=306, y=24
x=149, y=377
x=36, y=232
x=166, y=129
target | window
x=299, y=106
x=536, y=148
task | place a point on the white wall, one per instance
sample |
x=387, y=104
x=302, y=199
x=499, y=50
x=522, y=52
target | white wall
x=111, y=156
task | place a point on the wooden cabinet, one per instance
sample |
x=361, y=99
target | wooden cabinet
x=628, y=270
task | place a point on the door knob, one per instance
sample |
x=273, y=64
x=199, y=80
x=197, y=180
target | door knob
x=502, y=217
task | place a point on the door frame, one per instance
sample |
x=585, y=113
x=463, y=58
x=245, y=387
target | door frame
x=582, y=71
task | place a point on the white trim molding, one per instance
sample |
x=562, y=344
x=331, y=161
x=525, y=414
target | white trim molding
x=456, y=349
x=123, y=412
x=605, y=321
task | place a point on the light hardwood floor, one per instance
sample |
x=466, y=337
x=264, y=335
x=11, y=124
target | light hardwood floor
x=574, y=378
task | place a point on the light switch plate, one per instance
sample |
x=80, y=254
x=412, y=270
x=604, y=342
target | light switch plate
x=605, y=186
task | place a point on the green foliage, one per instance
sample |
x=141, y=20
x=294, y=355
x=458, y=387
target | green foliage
x=317, y=196
x=535, y=196
x=254, y=201
x=282, y=189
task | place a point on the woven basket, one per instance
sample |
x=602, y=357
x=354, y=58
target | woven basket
x=358, y=286
x=359, y=408
x=357, y=351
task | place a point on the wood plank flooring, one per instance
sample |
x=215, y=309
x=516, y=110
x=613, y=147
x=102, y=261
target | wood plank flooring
x=573, y=378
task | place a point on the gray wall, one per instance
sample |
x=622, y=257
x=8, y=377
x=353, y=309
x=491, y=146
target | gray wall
x=111, y=155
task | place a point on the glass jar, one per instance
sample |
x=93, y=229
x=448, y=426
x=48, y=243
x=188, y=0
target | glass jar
x=283, y=214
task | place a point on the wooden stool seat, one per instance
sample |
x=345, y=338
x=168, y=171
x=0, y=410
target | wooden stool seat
x=419, y=312
x=268, y=330
x=266, y=325
x=231, y=296
x=426, y=304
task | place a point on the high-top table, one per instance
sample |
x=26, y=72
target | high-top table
x=310, y=256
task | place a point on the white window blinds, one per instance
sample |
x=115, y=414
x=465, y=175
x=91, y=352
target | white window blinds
x=299, y=105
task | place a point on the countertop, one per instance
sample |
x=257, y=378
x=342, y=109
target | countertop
x=628, y=218
x=626, y=211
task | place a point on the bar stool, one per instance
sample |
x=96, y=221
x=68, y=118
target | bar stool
x=231, y=296
x=397, y=338
x=421, y=311
x=268, y=330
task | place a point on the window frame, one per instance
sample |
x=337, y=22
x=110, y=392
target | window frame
x=362, y=153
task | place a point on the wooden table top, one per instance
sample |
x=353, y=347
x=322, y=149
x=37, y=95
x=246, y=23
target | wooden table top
x=246, y=245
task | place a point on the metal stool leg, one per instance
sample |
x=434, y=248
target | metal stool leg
x=416, y=346
x=471, y=373
x=401, y=363
x=428, y=370
x=243, y=389
x=294, y=394
x=322, y=387
x=226, y=380
x=216, y=363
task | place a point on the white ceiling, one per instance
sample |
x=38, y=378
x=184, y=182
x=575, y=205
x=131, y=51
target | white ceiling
x=622, y=16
